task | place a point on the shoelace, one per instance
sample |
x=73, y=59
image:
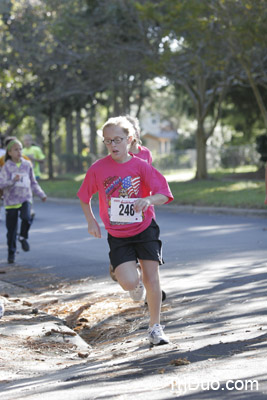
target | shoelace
x=157, y=329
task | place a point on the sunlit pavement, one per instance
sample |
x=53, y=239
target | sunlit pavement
x=215, y=315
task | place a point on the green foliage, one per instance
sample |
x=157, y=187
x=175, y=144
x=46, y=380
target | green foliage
x=58, y=57
x=185, y=142
x=235, y=156
x=75, y=162
x=172, y=161
x=241, y=112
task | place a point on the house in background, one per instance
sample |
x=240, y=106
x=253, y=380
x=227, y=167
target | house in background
x=159, y=136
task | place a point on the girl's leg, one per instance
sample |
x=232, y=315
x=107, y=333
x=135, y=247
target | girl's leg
x=25, y=215
x=151, y=281
x=127, y=275
x=156, y=336
x=11, y=225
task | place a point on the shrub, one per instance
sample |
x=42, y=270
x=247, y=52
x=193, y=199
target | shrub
x=261, y=146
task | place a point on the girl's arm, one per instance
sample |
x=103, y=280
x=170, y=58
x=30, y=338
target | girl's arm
x=36, y=188
x=5, y=179
x=154, y=200
x=93, y=227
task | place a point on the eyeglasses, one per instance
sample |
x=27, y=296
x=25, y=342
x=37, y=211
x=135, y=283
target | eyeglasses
x=117, y=140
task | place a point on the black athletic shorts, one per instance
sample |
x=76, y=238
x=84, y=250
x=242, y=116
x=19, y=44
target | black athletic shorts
x=144, y=246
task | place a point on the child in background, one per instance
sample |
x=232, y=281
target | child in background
x=5, y=143
x=18, y=182
x=128, y=187
x=34, y=153
x=139, y=151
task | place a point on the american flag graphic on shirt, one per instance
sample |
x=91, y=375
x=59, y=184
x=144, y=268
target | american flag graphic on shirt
x=131, y=185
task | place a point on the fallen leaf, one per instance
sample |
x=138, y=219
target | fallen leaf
x=180, y=361
x=83, y=355
x=68, y=333
x=161, y=370
x=26, y=303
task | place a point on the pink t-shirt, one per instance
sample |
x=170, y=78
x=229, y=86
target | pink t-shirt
x=144, y=153
x=133, y=179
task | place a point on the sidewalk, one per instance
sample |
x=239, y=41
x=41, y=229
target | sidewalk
x=87, y=339
x=33, y=342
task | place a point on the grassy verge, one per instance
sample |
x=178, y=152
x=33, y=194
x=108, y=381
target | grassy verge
x=248, y=194
x=221, y=190
x=66, y=188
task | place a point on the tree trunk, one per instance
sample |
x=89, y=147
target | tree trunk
x=256, y=94
x=50, y=145
x=69, y=143
x=92, y=123
x=201, y=172
x=39, y=130
x=79, y=132
x=79, y=138
x=69, y=134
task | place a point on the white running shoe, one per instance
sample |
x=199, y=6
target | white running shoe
x=156, y=336
x=138, y=293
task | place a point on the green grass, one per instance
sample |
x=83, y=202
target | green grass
x=65, y=189
x=218, y=191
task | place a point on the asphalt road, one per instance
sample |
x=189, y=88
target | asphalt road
x=215, y=313
x=61, y=245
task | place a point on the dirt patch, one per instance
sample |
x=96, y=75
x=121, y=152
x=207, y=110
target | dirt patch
x=104, y=319
x=33, y=342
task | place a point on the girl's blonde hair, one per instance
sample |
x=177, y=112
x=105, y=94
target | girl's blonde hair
x=135, y=122
x=123, y=123
x=9, y=144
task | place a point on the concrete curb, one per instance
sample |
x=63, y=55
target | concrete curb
x=216, y=210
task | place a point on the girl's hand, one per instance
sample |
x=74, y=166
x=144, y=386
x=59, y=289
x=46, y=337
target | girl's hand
x=94, y=229
x=142, y=204
x=16, y=178
x=44, y=198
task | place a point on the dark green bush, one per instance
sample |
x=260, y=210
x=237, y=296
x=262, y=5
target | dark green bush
x=261, y=146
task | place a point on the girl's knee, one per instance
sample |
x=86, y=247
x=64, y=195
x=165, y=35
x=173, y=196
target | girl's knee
x=127, y=275
x=128, y=284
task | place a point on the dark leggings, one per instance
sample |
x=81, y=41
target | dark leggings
x=12, y=216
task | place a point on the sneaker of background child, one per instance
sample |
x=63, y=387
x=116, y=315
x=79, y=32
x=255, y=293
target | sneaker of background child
x=11, y=258
x=156, y=336
x=138, y=293
x=24, y=244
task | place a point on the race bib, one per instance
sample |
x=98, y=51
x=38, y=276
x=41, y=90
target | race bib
x=122, y=210
x=24, y=180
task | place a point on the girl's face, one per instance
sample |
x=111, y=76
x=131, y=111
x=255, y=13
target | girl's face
x=119, y=143
x=15, y=152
